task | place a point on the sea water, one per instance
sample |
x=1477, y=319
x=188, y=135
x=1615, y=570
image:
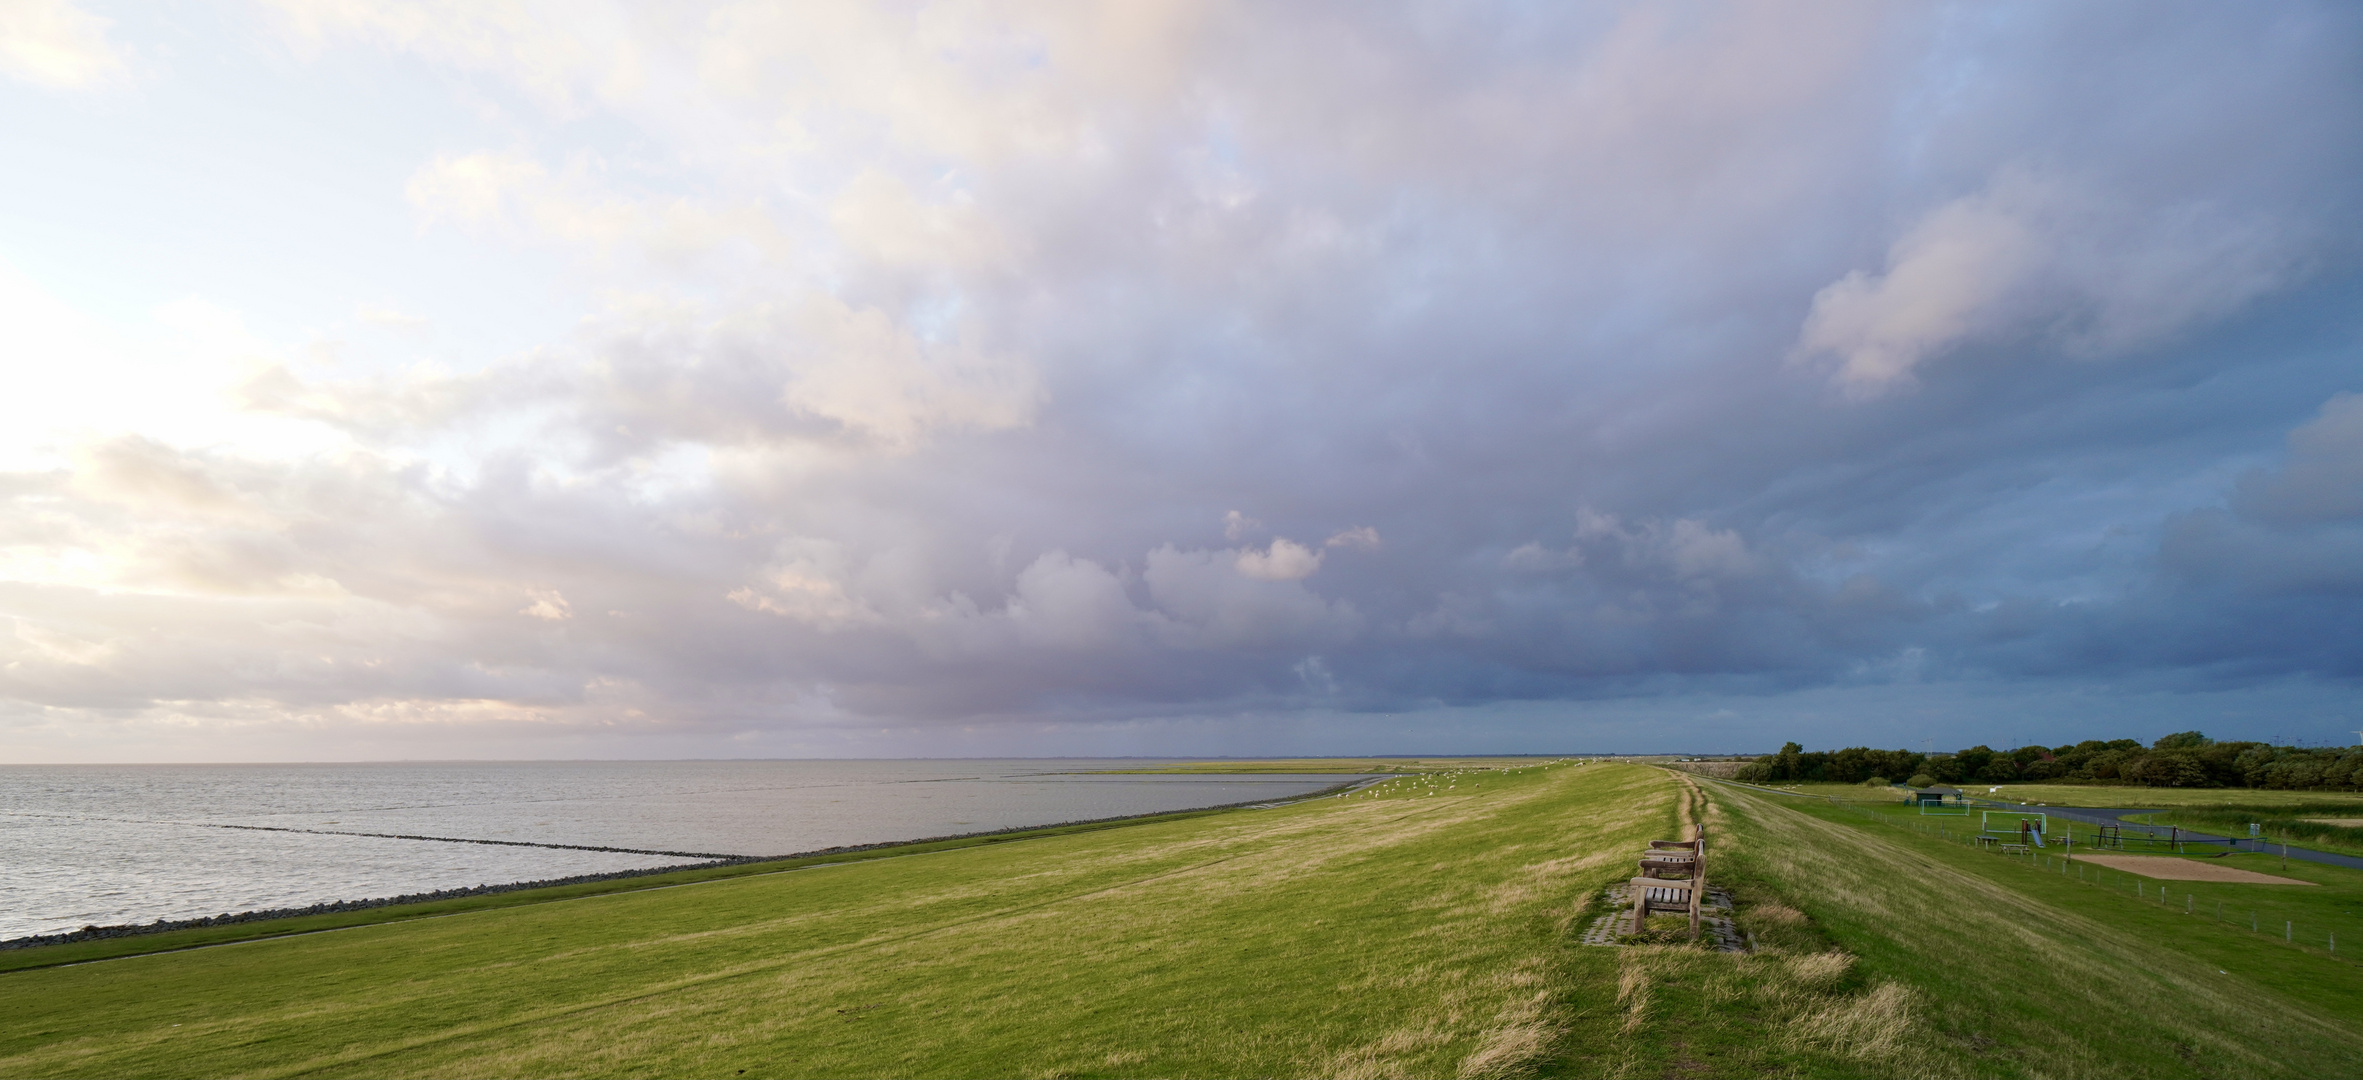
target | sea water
x=115, y=844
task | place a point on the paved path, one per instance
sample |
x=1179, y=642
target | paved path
x=2098, y=816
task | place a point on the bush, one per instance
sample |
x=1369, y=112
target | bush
x=1922, y=780
x=1876, y=781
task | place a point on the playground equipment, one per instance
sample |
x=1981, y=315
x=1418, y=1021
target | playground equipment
x=2013, y=830
x=2115, y=837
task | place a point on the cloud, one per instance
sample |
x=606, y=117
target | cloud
x=809, y=586
x=812, y=367
x=2323, y=478
x=391, y=317
x=547, y=604
x=889, y=368
x=55, y=45
x=2040, y=256
x=1533, y=558
x=1072, y=604
x=1282, y=560
x=1686, y=549
x=1359, y=538
x=514, y=193
x=560, y=53
x=1214, y=603
x=880, y=219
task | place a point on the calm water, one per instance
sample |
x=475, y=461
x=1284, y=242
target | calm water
x=82, y=844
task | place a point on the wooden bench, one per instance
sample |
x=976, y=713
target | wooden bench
x=1658, y=865
x=1673, y=879
x=1657, y=895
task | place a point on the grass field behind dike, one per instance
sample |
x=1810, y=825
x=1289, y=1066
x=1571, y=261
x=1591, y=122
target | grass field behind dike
x=1424, y=928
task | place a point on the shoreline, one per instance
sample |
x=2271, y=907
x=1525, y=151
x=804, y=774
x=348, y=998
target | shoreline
x=160, y=926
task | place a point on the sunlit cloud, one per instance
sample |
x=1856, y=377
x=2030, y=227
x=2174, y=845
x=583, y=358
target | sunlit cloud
x=57, y=45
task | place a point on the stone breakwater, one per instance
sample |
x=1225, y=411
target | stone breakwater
x=101, y=933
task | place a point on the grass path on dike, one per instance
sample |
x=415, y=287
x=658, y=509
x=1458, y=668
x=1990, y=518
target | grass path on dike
x=1425, y=928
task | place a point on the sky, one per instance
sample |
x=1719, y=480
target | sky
x=584, y=380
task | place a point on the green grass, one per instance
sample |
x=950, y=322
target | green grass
x=1999, y=967
x=1348, y=766
x=1847, y=792
x=2221, y=811
x=1424, y=927
x=197, y=937
x=2095, y=795
x=2336, y=907
x=1406, y=933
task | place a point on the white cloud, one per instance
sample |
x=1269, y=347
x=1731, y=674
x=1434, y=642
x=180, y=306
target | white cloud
x=511, y=192
x=879, y=218
x=1359, y=538
x=1954, y=267
x=1533, y=558
x=390, y=317
x=557, y=51
x=1211, y=603
x=1282, y=560
x=54, y=646
x=858, y=369
x=57, y=45
x=1072, y=604
x=2088, y=270
x=810, y=583
x=547, y=604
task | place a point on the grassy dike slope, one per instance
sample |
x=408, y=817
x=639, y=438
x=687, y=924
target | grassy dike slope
x=1427, y=928
x=1979, y=965
x=1406, y=934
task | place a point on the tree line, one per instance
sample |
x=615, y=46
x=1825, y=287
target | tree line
x=2183, y=759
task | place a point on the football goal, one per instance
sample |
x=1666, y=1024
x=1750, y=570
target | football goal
x=2015, y=823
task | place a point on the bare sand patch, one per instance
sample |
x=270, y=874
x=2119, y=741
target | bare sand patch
x=2163, y=868
x=2341, y=822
